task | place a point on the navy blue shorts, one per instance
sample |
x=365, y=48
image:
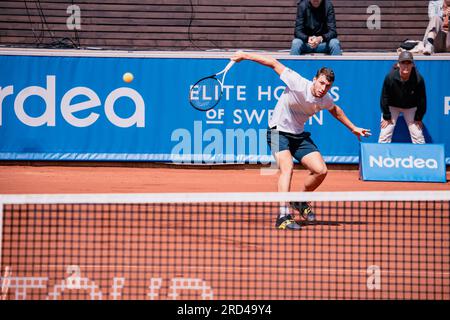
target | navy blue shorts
x=298, y=144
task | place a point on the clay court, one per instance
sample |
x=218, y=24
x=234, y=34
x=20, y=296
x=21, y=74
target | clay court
x=88, y=178
x=216, y=251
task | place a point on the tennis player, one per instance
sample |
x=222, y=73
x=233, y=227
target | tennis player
x=286, y=136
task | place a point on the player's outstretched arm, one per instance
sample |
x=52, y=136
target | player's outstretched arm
x=265, y=60
x=339, y=114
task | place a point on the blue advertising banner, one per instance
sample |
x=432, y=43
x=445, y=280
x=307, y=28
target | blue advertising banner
x=80, y=108
x=402, y=162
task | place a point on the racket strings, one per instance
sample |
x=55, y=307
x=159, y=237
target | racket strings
x=205, y=94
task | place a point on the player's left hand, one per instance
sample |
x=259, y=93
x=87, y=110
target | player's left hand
x=360, y=132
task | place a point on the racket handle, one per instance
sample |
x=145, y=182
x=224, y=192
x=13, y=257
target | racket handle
x=229, y=65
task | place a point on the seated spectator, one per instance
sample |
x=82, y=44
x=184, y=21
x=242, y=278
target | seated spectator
x=315, y=28
x=437, y=37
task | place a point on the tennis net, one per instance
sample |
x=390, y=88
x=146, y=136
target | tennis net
x=223, y=246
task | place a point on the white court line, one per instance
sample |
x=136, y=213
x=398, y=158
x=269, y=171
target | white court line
x=238, y=197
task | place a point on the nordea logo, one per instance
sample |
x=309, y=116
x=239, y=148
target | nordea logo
x=70, y=109
x=407, y=162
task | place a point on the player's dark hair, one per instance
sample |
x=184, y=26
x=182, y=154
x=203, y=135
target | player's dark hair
x=327, y=72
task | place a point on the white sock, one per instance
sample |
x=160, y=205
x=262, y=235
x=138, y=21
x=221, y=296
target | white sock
x=284, y=211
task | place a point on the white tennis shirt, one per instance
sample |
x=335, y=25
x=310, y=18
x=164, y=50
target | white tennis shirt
x=297, y=103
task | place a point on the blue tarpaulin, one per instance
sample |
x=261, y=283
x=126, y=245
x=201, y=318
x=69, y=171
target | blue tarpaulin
x=79, y=108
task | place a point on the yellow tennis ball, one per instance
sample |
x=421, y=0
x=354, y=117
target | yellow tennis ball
x=128, y=77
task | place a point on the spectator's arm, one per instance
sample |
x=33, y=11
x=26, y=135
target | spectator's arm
x=299, y=32
x=331, y=23
x=431, y=8
x=384, y=100
x=434, y=9
x=421, y=102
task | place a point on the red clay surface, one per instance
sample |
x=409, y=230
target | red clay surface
x=141, y=252
x=228, y=252
x=58, y=179
x=233, y=252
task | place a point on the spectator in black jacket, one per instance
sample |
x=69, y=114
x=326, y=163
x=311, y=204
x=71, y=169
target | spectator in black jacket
x=315, y=28
x=403, y=92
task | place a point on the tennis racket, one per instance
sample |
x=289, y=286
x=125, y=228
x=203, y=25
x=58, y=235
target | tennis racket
x=206, y=93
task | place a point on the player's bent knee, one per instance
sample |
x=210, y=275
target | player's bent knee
x=322, y=172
